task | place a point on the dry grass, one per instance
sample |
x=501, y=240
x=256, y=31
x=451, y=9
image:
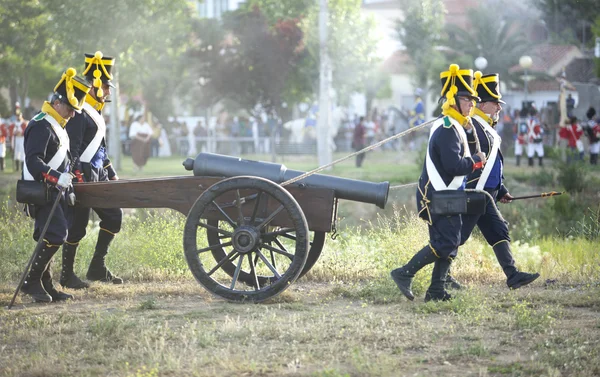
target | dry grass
x=177, y=329
x=344, y=318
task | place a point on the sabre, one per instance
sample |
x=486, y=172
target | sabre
x=541, y=195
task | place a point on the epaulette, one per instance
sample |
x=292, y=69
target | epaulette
x=39, y=117
x=447, y=123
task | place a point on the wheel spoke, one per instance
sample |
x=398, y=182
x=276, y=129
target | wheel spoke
x=256, y=260
x=237, y=272
x=229, y=220
x=280, y=232
x=271, y=217
x=214, y=247
x=238, y=204
x=273, y=258
x=255, y=209
x=253, y=272
x=281, y=245
x=215, y=229
x=278, y=251
x=266, y=261
x=227, y=258
x=291, y=237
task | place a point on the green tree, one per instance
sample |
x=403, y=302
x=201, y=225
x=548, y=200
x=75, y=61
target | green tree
x=250, y=60
x=28, y=56
x=569, y=20
x=148, y=38
x=277, y=10
x=352, y=47
x=421, y=33
x=491, y=37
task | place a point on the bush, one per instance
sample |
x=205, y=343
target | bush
x=572, y=176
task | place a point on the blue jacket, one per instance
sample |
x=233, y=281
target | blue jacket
x=41, y=144
x=484, y=142
x=82, y=129
x=447, y=153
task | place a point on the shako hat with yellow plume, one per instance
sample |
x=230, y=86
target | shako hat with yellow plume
x=72, y=89
x=487, y=87
x=98, y=70
x=457, y=82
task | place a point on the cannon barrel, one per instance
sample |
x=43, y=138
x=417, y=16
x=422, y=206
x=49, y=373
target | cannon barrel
x=216, y=165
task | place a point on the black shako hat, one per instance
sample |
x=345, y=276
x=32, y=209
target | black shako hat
x=458, y=82
x=72, y=89
x=97, y=70
x=488, y=87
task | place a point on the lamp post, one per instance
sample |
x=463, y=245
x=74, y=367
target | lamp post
x=525, y=62
x=481, y=63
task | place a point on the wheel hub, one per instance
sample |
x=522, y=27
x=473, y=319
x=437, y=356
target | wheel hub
x=245, y=239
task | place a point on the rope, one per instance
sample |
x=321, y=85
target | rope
x=364, y=150
x=378, y=144
x=403, y=186
x=491, y=200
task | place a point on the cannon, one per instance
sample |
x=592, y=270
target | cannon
x=215, y=165
x=246, y=238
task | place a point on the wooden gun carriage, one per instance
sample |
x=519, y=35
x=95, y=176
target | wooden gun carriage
x=246, y=238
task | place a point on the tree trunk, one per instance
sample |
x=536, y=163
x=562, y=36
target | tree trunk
x=24, y=88
x=13, y=94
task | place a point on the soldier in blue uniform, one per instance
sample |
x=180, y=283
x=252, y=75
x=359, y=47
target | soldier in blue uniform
x=492, y=225
x=47, y=160
x=446, y=166
x=87, y=132
x=417, y=114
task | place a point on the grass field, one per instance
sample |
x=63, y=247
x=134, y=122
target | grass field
x=344, y=318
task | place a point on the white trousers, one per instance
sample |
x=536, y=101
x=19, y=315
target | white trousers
x=518, y=148
x=535, y=148
x=595, y=148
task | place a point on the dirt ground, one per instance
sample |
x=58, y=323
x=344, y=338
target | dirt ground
x=312, y=329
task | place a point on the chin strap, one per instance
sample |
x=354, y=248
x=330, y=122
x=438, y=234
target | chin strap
x=453, y=113
x=483, y=115
x=94, y=102
x=448, y=106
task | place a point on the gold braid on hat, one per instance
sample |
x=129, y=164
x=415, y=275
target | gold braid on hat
x=67, y=77
x=100, y=68
x=452, y=74
x=479, y=80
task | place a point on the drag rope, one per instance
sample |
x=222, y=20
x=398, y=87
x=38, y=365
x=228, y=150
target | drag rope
x=364, y=150
x=376, y=145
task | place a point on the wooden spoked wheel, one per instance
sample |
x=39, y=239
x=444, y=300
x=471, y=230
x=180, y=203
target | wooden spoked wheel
x=316, y=243
x=254, y=258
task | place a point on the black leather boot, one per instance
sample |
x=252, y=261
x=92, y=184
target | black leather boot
x=68, y=278
x=33, y=282
x=541, y=161
x=436, y=291
x=1, y=163
x=518, y=160
x=403, y=276
x=514, y=278
x=452, y=283
x=98, y=270
x=50, y=288
x=530, y=161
